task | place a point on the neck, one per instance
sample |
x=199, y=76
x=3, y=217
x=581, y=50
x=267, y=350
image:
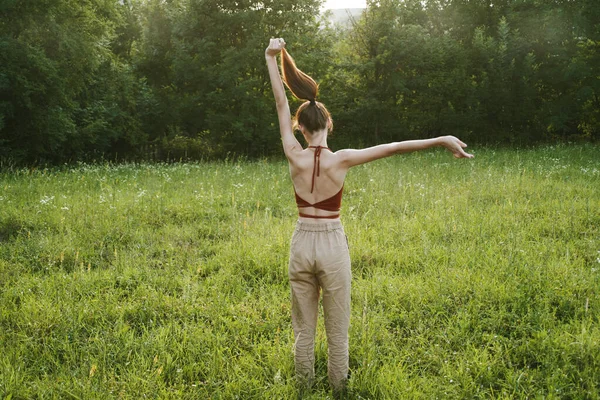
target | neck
x=317, y=139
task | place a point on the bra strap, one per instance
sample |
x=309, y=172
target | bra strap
x=317, y=164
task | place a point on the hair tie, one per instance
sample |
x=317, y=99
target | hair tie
x=313, y=102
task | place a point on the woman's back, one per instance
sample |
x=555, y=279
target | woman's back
x=318, y=179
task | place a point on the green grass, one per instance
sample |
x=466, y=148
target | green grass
x=471, y=279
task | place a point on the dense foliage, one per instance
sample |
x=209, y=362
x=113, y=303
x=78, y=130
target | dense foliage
x=170, y=79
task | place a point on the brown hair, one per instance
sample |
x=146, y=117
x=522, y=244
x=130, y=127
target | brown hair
x=312, y=114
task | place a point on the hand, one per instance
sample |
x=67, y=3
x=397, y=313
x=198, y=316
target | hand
x=275, y=47
x=456, y=146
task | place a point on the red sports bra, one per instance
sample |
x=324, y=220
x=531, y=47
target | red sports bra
x=333, y=203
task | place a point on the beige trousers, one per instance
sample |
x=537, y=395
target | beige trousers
x=320, y=260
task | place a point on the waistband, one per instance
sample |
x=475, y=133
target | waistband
x=318, y=216
x=321, y=226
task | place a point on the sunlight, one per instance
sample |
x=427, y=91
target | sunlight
x=333, y=4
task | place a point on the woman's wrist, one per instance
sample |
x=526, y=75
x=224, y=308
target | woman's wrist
x=440, y=141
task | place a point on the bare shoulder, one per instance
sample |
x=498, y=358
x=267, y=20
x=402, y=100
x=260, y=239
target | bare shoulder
x=347, y=157
x=293, y=152
x=343, y=154
x=347, y=153
x=342, y=158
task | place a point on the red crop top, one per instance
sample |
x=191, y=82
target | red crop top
x=333, y=203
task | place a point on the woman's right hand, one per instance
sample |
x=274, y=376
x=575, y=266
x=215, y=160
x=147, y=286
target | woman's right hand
x=456, y=146
x=275, y=47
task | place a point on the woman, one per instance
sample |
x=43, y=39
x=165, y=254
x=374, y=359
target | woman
x=319, y=256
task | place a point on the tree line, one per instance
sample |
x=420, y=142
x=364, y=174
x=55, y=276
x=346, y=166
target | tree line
x=171, y=79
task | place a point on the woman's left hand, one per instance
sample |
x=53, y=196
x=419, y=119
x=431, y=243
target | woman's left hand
x=456, y=146
x=275, y=47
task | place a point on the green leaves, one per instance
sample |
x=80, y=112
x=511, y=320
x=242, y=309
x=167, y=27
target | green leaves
x=90, y=79
x=55, y=51
x=205, y=63
x=501, y=73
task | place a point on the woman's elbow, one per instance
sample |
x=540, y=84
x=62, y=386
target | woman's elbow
x=391, y=150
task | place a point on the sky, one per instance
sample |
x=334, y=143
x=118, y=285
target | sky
x=329, y=4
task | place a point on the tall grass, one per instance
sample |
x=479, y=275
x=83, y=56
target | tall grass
x=471, y=279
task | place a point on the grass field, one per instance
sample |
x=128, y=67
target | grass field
x=471, y=279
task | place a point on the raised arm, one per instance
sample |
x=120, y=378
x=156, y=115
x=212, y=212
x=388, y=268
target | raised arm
x=351, y=157
x=290, y=143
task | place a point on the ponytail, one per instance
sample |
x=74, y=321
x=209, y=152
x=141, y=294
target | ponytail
x=302, y=86
x=312, y=114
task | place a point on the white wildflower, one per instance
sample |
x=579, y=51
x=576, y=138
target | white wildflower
x=46, y=200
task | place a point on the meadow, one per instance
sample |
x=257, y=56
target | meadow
x=471, y=279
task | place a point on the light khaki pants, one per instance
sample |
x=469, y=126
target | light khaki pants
x=319, y=259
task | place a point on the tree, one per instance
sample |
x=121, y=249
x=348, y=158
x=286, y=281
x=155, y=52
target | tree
x=62, y=89
x=204, y=59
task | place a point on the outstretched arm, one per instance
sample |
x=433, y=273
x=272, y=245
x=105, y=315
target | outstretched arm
x=352, y=157
x=290, y=143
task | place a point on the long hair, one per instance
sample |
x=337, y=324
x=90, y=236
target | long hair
x=312, y=114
